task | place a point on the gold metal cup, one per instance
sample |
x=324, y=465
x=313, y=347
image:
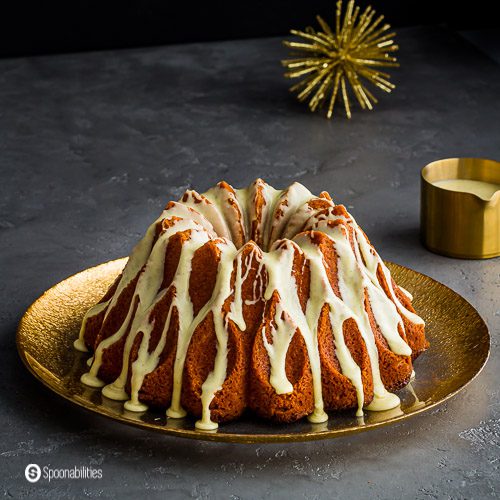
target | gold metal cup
x=460, y=224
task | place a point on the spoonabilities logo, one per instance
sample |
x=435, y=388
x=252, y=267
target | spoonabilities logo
x=33, y=473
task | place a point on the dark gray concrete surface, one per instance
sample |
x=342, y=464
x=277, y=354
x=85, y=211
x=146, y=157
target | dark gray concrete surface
x=93, y=145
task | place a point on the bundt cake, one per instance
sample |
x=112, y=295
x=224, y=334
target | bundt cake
x=273, y=301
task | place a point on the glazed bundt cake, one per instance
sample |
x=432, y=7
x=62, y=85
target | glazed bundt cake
x=253, y=298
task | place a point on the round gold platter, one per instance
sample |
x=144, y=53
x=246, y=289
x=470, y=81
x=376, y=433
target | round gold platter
x=459, y=349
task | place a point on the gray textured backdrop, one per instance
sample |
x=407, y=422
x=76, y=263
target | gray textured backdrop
x=93, y=145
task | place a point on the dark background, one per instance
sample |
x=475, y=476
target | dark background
x=29, y=27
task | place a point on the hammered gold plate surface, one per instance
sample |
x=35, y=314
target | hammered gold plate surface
x=459, y=349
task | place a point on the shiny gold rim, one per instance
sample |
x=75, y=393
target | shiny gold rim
x=454, y=326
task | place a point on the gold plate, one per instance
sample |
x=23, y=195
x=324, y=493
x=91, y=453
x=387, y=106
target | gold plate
x=459, y=349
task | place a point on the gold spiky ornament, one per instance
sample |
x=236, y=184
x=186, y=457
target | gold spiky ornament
x=337, y=64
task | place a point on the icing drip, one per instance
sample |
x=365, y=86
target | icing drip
x=185, y=313
x=271, y=197
x=279, y=266
x=222, y=291
x=79, y=344
x=373, y=261
x=230, y=260
x=406, y=292
x=282, y=336
x=229, y=217
x=236, y=313
x=322, y=293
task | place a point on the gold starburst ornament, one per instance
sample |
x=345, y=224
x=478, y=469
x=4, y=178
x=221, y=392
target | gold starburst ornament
x=336, y=65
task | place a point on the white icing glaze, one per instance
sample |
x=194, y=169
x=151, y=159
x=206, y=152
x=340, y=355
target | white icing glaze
x=406, y=292
x=385, y=401
x=242, y=196
x=229, y=215
x=271, y=197
x=234, y=214
x=416, y=403
x=210, y=211
x=297, y=221
x=79, y=344
x=286, y=206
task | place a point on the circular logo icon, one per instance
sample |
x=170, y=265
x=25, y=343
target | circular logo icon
x=33, y=473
